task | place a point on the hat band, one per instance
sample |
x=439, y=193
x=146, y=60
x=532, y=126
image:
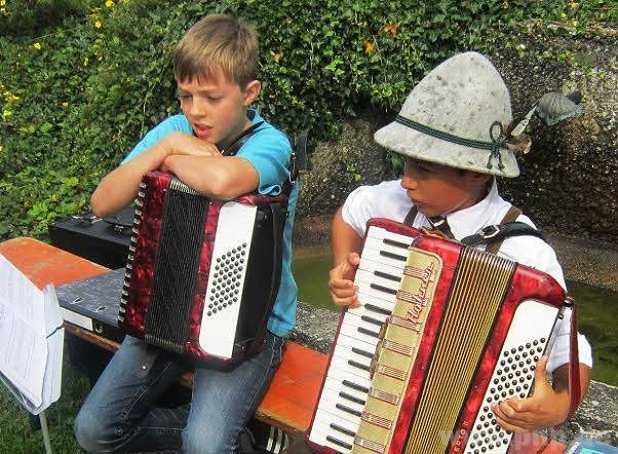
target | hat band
x=493, y=147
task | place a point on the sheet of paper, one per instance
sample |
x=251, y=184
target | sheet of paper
x=23, y=337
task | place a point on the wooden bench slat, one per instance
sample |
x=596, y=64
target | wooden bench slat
x=45, y=264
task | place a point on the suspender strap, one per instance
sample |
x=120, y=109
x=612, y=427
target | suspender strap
x=494, y=235
x=510, y=216
x=411, y=216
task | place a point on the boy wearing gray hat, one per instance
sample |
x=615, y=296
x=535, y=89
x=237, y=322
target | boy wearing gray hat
x=451, y=132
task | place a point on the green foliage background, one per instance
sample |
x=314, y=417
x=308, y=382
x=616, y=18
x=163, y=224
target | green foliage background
x=82, y=80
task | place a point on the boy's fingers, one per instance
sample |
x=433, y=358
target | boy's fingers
x=509, y=426
x=340, y=283
x=350, y=301
x=516, y=413
x=353, y=259
x=343, y=292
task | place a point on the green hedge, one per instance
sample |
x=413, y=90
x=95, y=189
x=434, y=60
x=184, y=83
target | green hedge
x=82, y=80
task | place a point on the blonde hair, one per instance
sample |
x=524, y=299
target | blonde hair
x=218, y=42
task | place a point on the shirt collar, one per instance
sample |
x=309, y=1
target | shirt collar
x=469, y=220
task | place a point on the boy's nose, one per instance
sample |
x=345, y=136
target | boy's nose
x=408, y=182
x=198, y=107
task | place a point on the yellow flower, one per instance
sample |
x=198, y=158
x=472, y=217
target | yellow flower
x=392, y=28
x=37, y=46
x=574, y=23
x=98, y=24
x=109, y=3
x=369, y=47
x=2, y=2
x=1, y=148
x=65, y=104
x=276, y=56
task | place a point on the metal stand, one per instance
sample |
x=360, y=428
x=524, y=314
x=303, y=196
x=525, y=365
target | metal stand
x=45, y=432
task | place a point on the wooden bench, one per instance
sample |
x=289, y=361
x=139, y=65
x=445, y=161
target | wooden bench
x=290, y=400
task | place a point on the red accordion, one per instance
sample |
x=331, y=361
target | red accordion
x=202, y=275
x=443, y=332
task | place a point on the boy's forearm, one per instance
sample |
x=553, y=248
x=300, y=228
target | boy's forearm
x=344, y=239
x=119, y=188
x=217, y=177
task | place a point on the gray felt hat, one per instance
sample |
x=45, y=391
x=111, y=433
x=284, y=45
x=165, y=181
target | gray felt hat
x=456, y=116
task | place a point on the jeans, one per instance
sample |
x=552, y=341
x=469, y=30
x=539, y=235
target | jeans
x=119, y=414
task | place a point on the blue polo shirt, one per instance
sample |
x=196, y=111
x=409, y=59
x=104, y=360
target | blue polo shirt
x=268, y=150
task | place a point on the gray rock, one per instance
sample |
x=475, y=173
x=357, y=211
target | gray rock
x=340, y=166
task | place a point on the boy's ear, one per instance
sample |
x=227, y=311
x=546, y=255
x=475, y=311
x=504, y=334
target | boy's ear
x=251, y=92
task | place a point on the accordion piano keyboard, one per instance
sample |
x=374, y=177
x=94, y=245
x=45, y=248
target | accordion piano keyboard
x=348, y=380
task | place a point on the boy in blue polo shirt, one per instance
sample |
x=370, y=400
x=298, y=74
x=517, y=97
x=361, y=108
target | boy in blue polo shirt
x=215, y=68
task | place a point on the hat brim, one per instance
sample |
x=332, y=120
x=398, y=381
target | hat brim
x=414, y=144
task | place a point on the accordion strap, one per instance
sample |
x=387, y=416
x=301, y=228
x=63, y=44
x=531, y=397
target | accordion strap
x=239, y=141
x=574, y=378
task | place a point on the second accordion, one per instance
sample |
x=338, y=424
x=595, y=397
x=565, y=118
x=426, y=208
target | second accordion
x=202, y=275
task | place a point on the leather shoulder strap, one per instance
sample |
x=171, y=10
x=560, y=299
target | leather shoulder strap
x=411, y=216
x=510, y=216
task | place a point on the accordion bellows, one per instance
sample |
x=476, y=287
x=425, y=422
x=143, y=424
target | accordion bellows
x=202, y=275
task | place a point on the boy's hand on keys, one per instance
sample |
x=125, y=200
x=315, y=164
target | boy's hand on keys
x=343, y=292
x=544, y=408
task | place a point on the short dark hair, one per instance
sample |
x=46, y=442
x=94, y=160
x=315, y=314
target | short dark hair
x=218, y=42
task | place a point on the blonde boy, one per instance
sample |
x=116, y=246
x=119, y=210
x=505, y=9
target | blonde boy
x=215, y=69
x=450, y=132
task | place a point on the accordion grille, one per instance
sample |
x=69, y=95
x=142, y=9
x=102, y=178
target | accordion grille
x=479, y=287
x=166, y=323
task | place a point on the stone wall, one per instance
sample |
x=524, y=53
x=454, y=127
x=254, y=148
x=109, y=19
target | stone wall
x=568, y=179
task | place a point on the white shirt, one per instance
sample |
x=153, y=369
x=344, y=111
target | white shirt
x=389, y=200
